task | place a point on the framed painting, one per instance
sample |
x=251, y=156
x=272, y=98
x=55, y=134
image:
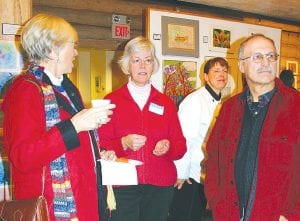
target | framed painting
x=220, y=39
x=180, y=37
x=293, y=66
x=12, y=61
x=179, y=79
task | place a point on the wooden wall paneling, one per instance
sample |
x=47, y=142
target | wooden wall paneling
x=111, y=44
x=298, y=52
x=292, y=51
x=269, y=23
x=284, y=50
x=14, y=12
x=93, y=27
x=293, y=38
x=88, y=17
x=98, y=33
x=285, y=37
x=112, y=6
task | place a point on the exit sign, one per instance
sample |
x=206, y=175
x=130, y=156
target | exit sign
x=121, y=31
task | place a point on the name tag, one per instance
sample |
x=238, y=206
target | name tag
x=154, y=108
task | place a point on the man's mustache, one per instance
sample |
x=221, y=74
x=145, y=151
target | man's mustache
x=265, y=69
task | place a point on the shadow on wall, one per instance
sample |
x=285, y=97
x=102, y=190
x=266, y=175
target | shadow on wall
x=118, y=77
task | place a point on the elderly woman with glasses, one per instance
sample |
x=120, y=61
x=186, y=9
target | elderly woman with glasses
x=48, y=132
x=144, y=127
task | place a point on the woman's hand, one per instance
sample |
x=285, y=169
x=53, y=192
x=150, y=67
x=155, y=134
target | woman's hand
x=89, y=119
x=282, y=218
x=179, y=183
x=133, y=141
x=161, y=147
x=108, y=155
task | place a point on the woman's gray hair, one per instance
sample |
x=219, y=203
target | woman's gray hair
x=137, y=45
x=42, y=32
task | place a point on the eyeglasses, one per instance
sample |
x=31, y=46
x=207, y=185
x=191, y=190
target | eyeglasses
x=258, y=57
x=217, y=71
x=138, y=61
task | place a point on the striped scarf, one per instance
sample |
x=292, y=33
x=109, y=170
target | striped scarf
x=63, y=199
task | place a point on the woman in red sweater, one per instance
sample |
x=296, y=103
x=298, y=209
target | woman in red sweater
x=46, y=125
x=144, y=127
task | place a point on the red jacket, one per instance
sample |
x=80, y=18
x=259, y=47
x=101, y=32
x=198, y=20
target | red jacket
x=129, y=119
x=30, y=147
x=278, y=175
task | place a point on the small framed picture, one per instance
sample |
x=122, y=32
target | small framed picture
x=180, y=37
x=293, y=66
x=220, y=39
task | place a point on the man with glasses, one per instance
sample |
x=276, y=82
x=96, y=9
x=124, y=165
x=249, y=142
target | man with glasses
x=253, y=162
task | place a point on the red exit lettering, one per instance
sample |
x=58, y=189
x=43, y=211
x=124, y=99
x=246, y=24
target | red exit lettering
x=121, y=31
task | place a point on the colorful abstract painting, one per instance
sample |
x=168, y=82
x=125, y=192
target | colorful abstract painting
x=9, y=57
x=179, y=79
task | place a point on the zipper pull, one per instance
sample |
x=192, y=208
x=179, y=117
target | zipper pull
x=243, y=214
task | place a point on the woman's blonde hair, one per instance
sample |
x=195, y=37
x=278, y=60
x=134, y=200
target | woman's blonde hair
x=137, y=45
x=42, y=32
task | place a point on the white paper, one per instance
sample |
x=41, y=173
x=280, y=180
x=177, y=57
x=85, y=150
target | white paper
x=118, y=173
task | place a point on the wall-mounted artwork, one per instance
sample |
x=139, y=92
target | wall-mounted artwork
x=292, y=65
x=9, y=57
x=12, y=61
x=179, y=79
x=220, y=39
x=180, y=37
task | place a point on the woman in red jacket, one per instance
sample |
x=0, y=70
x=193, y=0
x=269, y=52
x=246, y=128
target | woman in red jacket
x=46, y=125
x=144, y=127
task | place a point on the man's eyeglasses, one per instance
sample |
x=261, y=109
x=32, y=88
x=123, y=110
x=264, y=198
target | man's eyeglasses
x=138, y=61
x=258, y=57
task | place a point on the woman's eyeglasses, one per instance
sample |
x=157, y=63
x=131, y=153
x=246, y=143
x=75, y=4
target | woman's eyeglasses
x=138, y=61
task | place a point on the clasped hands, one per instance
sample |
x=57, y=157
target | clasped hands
x=136, y=141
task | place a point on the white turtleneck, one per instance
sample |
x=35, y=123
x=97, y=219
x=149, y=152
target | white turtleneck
x=140, y=94
x=56, y=81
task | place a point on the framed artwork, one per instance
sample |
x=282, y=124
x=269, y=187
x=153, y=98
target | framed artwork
x=180, y=37
x=10, y=56
x=12, y=61
x=292, y=65
x=220, y=39
x=179, y=79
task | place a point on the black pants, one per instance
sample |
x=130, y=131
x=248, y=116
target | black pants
x=142, y=203
x=188, y=203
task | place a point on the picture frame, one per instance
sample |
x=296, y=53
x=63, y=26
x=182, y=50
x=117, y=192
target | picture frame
x=292, y=65
x=297, y=82
x=180, y=37
x=179, y=79
x=220, y=39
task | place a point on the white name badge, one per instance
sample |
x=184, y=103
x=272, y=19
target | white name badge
x=155, y=108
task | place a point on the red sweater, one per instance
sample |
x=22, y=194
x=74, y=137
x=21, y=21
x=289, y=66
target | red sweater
x=278, y=179
x=129, y=119
x=30, y=147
